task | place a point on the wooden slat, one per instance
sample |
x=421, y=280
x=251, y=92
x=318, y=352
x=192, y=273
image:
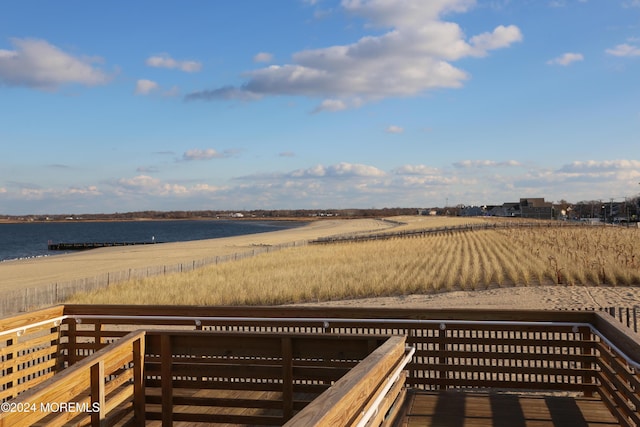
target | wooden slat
x=124, y=394
x=492, y=356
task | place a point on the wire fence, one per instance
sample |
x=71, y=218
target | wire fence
x=20, y=300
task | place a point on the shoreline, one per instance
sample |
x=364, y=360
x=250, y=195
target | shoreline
x=33, y=272
x=75, y=221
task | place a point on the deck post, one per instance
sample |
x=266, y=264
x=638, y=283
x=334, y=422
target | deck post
x=56, y=343
x=586, y=350
x=287, y=379
x=139, y=408
x=99, y=340
x=442, y=360
x=72, y=350
x=167, y=380
x=97, y=395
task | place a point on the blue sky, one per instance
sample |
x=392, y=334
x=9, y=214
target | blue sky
x=251, y=104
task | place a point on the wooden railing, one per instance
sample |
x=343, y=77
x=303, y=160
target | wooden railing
x=587, y=352
x=350, y=401
x=104, y=388
x=248, y=378
x=30, y=353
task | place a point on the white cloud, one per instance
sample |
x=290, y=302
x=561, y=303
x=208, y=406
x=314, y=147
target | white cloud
x=146, y=186
x=331, y=105
x=144, y=87
x=206, y=154
x=409, y=59
x=501, y=37
x=166, y=61
x=624, y=50
x=342, y=169
x=36, y=193
x=566, y=59
x=405, y=13
x=416, y=170
x=140, y=181
x=394, y=129
x=466, y=164
x=263, y=57
x=630, y=3
x=598, y=166
x=38, y=64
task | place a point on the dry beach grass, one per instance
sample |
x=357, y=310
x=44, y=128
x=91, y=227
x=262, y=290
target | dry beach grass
x=586, y=266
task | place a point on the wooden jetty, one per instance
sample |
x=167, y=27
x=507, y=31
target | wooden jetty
x=82, y=246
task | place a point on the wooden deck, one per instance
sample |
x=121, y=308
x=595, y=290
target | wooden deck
x=324, y=367
x=476, y=409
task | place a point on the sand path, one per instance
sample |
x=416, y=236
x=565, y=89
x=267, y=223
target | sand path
x=557, y=297
x=67, y=267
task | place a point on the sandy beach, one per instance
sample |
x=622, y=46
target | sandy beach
x=29, y=273
x=63, y=268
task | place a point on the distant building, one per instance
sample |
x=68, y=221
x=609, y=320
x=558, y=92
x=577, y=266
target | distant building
x=510, y=209
x=536, y=208
x=472, y=211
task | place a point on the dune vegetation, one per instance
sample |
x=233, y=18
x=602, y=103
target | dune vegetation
x=471, y=260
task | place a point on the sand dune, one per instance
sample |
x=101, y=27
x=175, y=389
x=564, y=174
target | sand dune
x=61, y=268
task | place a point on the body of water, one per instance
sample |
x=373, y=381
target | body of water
x=29, y=240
